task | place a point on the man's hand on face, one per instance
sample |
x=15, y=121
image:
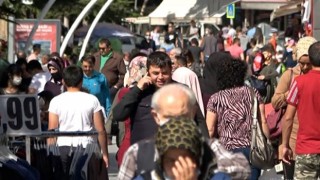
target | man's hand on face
x=144, y=82
x=184, y=169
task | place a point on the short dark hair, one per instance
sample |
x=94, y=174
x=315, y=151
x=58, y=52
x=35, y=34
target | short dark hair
x=253, y=41
x=34, y=64
x=159, y=59
x=188, y=55
x=21, y=61
x=104, y=41
x=36, y=47
x=182, y=60
x=194, y=41
x=231, y=74
x=89, y=58
x=236, y=40
x=72, y=76
x=314, y=54
x=54, y=54
x=269, y=48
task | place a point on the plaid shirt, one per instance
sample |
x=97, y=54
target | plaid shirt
x=234, y=164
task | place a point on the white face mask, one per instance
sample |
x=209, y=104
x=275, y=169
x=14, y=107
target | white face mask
x=126, y=63
x=17, y=80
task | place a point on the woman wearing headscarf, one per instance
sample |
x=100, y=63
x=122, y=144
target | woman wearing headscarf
x=229, y=111
x=137, y=69
x=186, y=76
x=209, y=81
x=183, y=152
x=54, y=85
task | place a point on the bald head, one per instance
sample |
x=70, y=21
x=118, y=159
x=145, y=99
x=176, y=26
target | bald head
x=173, y=100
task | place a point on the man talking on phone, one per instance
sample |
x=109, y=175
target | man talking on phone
x=137, y=102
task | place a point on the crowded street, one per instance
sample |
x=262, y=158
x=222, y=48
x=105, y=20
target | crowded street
x=159, y=90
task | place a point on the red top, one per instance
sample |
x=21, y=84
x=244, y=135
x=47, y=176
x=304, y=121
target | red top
x=304, y=94
x=235, y=51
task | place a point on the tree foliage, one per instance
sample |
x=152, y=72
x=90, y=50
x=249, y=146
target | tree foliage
x=69, y=8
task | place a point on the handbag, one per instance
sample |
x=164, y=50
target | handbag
x=274, y=122
x=275, y=116
x=261, y=151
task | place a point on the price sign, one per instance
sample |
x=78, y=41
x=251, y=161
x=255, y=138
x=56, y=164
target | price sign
x=20, y=114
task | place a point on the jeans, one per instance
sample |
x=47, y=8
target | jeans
x=255, y=172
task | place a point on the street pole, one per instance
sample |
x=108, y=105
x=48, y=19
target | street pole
x=11, y=30
x=75, y=25
x=93, y=25
x=135, y=5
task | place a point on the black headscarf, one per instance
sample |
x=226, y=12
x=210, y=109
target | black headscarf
x=209, y=81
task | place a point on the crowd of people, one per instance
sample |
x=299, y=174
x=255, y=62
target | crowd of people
x=181, y=112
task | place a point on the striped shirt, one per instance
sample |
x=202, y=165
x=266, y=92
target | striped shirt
x=233, y=108
x=304, y=95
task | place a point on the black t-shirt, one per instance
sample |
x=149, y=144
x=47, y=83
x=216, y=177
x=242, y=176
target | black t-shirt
x=195, y=51
x=172, y=36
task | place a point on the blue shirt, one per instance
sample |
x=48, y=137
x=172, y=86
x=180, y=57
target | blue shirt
x=97, y=85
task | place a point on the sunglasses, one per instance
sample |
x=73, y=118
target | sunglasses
x=102, y=48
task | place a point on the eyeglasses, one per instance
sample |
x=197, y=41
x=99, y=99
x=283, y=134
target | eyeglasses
x=102, y=48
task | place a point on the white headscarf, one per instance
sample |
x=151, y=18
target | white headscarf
x=186, y=76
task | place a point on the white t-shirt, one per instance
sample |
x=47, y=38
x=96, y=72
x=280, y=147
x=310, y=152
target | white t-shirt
x=192, y=31
x=156, y=37
x=75, y=111
x=39, y=80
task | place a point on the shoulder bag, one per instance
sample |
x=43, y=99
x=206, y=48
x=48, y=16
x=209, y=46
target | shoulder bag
x=261, y=151
x=275, y=116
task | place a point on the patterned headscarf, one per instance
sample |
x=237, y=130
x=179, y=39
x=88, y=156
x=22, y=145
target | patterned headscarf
x=181, y=133
x=137, y=69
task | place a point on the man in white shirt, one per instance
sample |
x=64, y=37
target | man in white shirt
x=75, y=110
x=35, y=53
x=39, y=77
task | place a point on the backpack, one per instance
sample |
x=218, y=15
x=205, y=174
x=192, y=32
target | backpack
x=145, y=159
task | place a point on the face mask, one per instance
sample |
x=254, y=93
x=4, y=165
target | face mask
x=56, y=76
x=126, y=63
x=17, y=80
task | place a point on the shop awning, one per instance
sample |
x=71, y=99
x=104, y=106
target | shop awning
x=290, y=8
x=262, y=4
x=183, y=11
x=138, y=20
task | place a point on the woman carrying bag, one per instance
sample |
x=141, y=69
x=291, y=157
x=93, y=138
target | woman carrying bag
x=229, y=111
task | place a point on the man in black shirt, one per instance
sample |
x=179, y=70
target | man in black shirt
x=172, y=35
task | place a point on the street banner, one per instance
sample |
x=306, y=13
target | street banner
x=48, y=35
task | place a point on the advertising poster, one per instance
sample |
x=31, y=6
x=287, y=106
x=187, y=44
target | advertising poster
x=48, y=35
